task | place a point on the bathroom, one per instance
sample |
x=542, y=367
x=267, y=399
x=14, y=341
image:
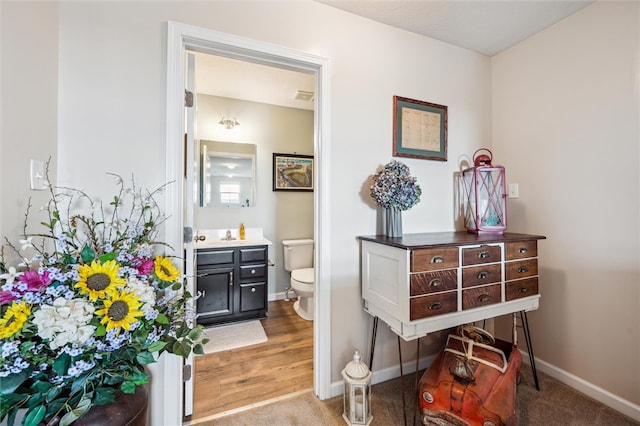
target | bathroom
x=278, y=214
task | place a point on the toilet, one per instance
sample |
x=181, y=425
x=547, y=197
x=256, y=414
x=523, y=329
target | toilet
x=298, y=260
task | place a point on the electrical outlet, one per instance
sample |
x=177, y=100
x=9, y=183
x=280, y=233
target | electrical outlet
x=38, y=181
x=513, y=190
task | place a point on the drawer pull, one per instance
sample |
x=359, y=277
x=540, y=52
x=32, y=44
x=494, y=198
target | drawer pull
x=435, y=283
x=483, y=254
x=253, y=289
x=523, y=290
x=523, y=269
x=483, y=275
x=435, y=306
x=484, y=298
x=522, y=250
x=437, y=259
x=230, y=279
x=253, y=271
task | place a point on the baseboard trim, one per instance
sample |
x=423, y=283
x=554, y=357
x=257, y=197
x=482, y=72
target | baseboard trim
x=607, y=398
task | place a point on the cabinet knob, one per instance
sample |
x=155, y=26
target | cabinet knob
x=435, y=306
x=483, y=254
x=435, y=283
x=483, y=275
x=437, y=259
x=523, y=269
x=484, y=298
x=253, y=289
x=522, y=250
x=253, y=271
x=523, y=290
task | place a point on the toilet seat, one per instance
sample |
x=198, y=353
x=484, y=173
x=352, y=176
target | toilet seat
x=303, y=276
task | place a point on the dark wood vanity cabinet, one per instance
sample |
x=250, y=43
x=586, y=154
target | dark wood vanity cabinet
x=231, y=283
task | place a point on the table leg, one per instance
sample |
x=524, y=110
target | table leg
x=374, y=333
x=527, y=338
x=404, y=405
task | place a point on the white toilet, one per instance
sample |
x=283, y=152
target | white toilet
x=298, y=259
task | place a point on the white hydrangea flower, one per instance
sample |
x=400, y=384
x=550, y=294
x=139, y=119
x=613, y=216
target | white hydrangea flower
x=65, y=322
x=143, y=290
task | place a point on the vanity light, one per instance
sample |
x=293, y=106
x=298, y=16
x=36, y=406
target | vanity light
x=229, y=123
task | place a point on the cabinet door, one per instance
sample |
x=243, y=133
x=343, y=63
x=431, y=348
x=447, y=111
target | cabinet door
x=215, y=287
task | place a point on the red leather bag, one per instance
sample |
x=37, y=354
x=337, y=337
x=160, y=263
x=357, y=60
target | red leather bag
x=471, y=382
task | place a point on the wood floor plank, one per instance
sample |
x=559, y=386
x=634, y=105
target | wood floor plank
x=239, y=377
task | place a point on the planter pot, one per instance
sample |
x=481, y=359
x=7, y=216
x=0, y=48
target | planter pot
x=393, y=223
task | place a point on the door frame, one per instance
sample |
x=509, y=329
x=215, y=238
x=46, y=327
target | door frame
x=183, y=37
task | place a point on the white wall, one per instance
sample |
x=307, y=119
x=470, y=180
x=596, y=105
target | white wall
x=565, y=123
x=281, y=215
x=111, y=114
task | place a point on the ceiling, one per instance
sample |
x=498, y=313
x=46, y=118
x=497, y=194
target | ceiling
x=484, y=26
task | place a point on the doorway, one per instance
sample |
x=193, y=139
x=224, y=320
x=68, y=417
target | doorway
x=181, y=38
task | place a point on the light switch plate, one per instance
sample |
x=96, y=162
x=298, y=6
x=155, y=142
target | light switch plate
x=513, y=190
x=38, y=181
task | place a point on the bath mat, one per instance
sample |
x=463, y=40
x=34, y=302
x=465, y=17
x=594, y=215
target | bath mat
x=233, y=336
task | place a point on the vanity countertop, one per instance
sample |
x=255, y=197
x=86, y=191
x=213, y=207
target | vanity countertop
x=216, y=238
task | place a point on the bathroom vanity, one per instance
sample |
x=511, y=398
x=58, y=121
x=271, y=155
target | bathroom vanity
x=231, y=280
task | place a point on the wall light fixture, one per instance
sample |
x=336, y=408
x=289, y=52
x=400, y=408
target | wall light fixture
x=229, y=123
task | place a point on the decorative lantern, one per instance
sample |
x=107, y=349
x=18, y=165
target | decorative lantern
x=357, y=392
x=484, y=195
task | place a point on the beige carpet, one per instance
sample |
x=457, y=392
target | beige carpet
x=232, y=336
x=554, y=404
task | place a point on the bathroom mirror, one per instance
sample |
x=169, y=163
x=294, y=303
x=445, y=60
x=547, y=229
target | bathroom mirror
x=227, y=174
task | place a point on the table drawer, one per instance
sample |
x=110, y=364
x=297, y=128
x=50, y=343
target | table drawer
x=214, y=257
x=521, y=250
x=434, y=259
x=433, y=282
x=521, y=269
x=521, y=288
x=481, y=296
x=435, y=304
x=480, y=275
x=482, y=254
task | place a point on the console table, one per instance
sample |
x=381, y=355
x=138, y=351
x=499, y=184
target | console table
x=421, y=283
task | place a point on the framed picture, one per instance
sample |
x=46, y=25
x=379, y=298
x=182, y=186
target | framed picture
x=419, y=129
x=292, y=172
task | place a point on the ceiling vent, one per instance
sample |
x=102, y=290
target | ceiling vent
x=303, y=95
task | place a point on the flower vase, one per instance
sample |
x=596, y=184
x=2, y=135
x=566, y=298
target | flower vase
x=393, y=222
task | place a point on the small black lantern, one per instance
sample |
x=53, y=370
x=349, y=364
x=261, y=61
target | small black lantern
x=484, y=195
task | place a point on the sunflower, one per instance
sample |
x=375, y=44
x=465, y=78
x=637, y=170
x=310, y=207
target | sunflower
x=100, y=280
x=13, y=319
x=121, y=311
x=165, y=269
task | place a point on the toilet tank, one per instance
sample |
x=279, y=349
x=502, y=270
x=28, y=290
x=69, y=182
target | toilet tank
x=298, y=254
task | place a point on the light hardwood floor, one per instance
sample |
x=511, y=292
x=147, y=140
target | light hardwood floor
x=237, y=378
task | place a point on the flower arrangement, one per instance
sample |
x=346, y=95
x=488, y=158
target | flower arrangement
x=394, y=188
x=90, y=308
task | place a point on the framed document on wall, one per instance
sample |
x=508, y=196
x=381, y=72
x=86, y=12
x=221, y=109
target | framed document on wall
x=419, y=129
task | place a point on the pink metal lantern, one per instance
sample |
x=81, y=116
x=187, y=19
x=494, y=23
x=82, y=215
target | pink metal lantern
x=484, y=195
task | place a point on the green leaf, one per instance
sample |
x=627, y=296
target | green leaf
x=53, y=393
x=162, y=319
x=104, y=396
x=145, y=358
x=100, y=331
x=41, y=386
x=198, y=349
x=83, y=406
x=61, y=364
x=128, y=387
x=106, y=257
x=157, y=346
x=195, y=333
x=10, y=383
x=35, y=416
x=87, y=254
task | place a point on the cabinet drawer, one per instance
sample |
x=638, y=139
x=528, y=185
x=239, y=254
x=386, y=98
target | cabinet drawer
x=435, y=304
x=521, y=250
x=433, y=259
x=481, y=296
x=521, y=288
x=482, y=254
x=253, y=271
x=214, y=257
x=521, y=269
x=255, y=254
x=253, y=296
x=480, y=275
x=432, y=282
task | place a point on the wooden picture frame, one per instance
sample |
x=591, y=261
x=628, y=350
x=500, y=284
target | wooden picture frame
x=419, y=129
x=293, y=172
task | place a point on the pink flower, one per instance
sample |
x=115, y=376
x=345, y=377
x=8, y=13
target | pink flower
x=6, y=297
x=145, y=267
x=35, y=281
